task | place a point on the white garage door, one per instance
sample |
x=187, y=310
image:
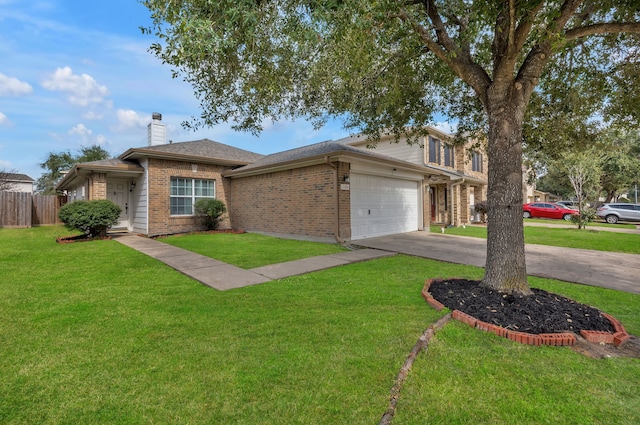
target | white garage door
x=382, y=206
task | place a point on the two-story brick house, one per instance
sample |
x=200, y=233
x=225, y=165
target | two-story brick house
x=334, y=190
x=461, y=181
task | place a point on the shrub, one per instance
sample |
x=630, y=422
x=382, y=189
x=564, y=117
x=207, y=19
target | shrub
x=211, y=210
x=91, y=217
x=481, y=208
x=587, y=215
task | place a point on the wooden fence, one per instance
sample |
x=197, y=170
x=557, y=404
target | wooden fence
x=22, y=209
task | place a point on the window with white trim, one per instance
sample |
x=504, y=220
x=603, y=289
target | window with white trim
x=185, y=192
x=476, y=161
x=434, y=150
x=449, y=156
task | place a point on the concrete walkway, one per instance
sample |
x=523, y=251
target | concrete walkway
x=597, y=268
x=223, y=276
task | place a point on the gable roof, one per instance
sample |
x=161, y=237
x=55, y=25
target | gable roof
x=115, y=166
x=316, y=154
x=20, y=178
x=203, y=150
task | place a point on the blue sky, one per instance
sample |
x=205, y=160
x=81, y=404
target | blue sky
x=77, y=73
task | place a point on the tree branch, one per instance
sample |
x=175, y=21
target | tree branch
x=603, y=28
x=457, y=59
x=524, y=28
x=539, y=55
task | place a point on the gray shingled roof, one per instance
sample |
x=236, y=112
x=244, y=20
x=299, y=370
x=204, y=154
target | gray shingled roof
x=19, y=177
x=329, y=147
x=111, y=162
x=205, y=148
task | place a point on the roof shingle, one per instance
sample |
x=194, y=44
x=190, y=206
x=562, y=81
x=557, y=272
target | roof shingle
x=204, y=148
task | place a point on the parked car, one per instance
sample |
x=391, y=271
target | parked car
x=547, y=210
x=572, y=205
x=612, y=213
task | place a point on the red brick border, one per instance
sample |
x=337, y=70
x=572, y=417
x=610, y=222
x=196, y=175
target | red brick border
x=554, y=339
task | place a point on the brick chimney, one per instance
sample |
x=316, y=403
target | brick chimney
x=156, y=130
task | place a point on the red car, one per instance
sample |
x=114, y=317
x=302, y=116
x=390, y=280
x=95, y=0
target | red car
x=547, y=210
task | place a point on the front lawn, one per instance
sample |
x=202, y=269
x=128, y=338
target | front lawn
x=96, y=333
x=564, y=237
x=250, y=250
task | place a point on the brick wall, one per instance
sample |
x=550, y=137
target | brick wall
x=98, y=186
x=160, y=172
x=464, y=165
x=293, y=202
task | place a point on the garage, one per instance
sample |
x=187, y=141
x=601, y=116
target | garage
x=383, y=206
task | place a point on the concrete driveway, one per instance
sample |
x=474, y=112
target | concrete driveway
x=596, y=268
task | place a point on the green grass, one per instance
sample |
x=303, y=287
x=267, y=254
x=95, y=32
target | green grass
x=250, y=250
x=564, y=237
x=96, y=333
x=602, y=224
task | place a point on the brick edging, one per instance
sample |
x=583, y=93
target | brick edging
x=553, y=339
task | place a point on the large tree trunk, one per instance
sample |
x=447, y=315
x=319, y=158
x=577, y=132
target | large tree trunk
x=505, y=268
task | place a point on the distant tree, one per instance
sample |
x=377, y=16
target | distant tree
x=58, y=162
x=390, y=66
x=620, y=163
x=584, y=172
x=556, y=182
x=92, y=153
x=615, y=152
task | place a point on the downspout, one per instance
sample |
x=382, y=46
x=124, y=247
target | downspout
x=453, y=184
x=336, y=197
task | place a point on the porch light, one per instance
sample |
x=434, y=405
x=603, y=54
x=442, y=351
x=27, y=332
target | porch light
x=345, y=178
x=133, y=186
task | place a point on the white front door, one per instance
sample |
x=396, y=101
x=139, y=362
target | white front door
x=118, y=193
x=383, y=206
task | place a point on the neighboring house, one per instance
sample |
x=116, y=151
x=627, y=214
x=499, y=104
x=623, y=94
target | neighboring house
x=541, y=196
x=18, y=182
x=328, y=191
x=454, y=176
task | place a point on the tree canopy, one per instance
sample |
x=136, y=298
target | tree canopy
x=614, y=152
x=58, y=162
x=388, y=66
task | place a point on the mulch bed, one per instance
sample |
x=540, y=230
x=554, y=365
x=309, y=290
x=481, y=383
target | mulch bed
x=201, y=232
x=79, y=238
x=540, y=313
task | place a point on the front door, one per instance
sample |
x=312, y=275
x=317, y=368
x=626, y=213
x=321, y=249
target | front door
x=117, y=193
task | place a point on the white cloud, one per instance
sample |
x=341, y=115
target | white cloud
x=4, y=120
x=83, y=90
x=86, y=135
x=92, y=116
x=11, y=86
x=128, y=119
x=81, y=130
x=101, y=140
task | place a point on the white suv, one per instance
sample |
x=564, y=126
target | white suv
x=613, y=213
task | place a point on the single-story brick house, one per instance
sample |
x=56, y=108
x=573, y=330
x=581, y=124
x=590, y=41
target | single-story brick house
x=329, y=191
